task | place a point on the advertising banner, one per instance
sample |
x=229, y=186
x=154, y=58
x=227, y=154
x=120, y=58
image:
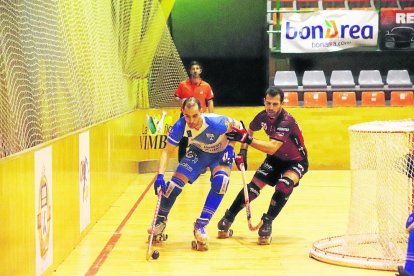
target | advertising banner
x=328, y=30
x=43, y=209
x=154, y=133
x=84, y=181
x=397, y=29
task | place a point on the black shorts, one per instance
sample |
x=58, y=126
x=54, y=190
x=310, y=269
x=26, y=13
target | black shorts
x=273, y=168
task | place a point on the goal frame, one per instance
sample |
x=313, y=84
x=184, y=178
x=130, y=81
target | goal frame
x=328, y=250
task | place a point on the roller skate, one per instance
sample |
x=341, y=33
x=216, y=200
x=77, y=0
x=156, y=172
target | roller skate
x=200, y=235
x=265, y=231
x=224, y=226
x=402, y=272
x=160, y=225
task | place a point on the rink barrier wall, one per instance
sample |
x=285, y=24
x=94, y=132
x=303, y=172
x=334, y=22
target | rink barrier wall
x=117, y=148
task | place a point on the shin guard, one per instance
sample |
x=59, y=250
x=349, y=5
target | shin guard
x=174, y=189
x=219, y=183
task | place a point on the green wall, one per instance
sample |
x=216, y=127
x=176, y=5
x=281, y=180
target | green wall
x=219, y=28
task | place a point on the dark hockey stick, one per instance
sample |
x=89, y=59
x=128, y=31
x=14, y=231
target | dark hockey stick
x=247, y=202
x=157, y=208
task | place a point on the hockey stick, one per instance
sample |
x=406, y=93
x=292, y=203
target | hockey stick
x=247, y=203
x=154, y=220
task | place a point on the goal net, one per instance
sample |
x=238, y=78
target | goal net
x=382, y=171
x=66, y=65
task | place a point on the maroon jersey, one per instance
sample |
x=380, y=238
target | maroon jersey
x=285, y=129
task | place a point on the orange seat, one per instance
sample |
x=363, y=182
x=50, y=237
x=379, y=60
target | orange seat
x=343, y=98
x=402, y=98
x=291, y=99
x=315, y=99
x=373, y=98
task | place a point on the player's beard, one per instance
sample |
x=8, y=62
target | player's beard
x=272, y=114
x=195, y=125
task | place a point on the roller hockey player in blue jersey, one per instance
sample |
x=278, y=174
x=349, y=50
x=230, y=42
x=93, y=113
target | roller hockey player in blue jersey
x=208, y=147
x=408, y=269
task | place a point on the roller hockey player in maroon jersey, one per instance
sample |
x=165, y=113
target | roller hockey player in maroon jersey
x=285, y=164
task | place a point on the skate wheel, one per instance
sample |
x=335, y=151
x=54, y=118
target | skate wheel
x=203, y=247
x=166, y=237
x=222, y=234
x=264, y=240
x=194, y=245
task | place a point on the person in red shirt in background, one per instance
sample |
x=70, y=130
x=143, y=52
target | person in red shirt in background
x=196, y=87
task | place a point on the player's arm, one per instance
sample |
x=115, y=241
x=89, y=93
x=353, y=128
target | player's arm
x=180, y=101
x=210, y=105
x=179, y=95
x=228, y=156
x=245, y=136
x=209, y=100
x=167, y=151
x=159, y=182
x=269, y=147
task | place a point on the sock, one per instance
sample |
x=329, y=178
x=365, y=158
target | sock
x=276, y=204
x=213, y=200
x=238, y=203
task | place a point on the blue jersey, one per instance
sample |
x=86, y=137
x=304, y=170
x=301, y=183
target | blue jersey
x=209, y=138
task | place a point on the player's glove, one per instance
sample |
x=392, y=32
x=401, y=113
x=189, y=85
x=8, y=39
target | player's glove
x=241, y=158
x=160, y=184
x=228, y=156
x=239, y=135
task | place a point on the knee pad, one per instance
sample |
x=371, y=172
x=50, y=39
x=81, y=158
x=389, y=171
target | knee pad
x=174, y=187
x=220, y=182
x=285, y=185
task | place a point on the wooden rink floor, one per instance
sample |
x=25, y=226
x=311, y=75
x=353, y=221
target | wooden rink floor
x=117, y=243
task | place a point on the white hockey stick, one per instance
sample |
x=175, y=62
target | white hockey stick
x=154, y=220
x=247, y=202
